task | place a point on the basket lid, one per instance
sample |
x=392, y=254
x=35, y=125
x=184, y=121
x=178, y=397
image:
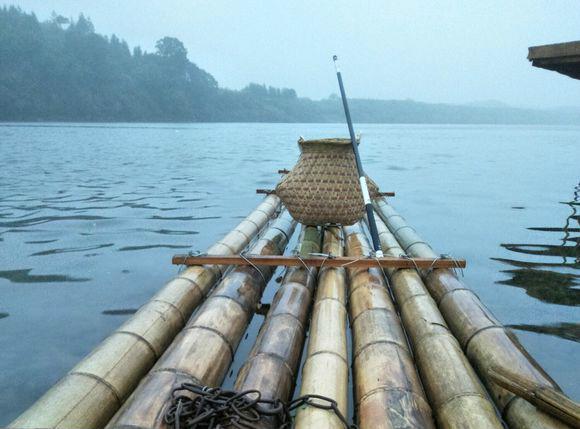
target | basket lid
x=332, y=141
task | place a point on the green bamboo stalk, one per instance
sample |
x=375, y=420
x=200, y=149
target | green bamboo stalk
x=203, y=351
x=455, y=393
x=90, y=394
x=486, y=342
x=388, y=391
x=272, y=365
x=325, y=370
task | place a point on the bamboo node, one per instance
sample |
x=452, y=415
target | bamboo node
x=542, y=396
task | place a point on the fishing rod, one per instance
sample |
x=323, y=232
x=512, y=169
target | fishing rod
x=361, y=175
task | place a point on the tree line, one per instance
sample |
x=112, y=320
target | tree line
x=63, y=70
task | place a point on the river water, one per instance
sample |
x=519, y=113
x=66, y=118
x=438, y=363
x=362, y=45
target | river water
x=90, y=215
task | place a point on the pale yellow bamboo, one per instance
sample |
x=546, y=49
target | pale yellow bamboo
x=272, y=364
x=89, y=395
x=484, y=339
x=388, y=391
x=204, y=349
x=325, y=371
x=547, y=399
x=456, y=395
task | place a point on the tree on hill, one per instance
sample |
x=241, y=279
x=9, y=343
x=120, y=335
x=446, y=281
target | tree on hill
x=63, y=70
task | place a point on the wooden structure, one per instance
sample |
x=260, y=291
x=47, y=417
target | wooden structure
x=273, y=192
x=561, y=57
x=426, y=352
x=364, y=261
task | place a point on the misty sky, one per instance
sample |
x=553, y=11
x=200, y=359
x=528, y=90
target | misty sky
x=436, y=51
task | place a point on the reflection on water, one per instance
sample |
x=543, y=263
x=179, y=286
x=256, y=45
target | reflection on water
x=550, y=276
x=120, y=312
x=567, y=331
x=46, y=219
x=546, y=249
x=71, y=249
x=546, y=285
x=24, y=276
x=153, y=246
x=3, y=315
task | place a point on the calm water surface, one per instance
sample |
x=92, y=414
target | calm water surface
x=91, y=214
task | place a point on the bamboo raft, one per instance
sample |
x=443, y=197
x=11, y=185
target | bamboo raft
x=426, y=352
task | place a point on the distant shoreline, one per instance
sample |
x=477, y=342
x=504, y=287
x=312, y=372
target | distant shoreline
x=95, y=124
x=62, y=70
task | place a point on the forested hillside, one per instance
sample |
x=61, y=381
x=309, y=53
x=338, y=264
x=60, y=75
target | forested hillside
x=62, y=70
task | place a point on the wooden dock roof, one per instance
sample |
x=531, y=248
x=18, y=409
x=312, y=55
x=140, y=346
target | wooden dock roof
x=561, y=57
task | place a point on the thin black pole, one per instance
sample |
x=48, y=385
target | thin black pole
x=361, y=175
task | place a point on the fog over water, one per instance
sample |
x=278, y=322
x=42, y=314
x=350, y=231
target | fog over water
x=445, y=51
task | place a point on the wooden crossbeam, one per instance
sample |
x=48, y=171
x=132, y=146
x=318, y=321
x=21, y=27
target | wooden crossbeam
x=317, y=261
x=273, y=191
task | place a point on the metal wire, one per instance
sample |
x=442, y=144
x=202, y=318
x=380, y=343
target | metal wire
x=241, y=255
x=327, y=256
x=455, y=262
x=195, y=406
x=297, y=255
x=405, y=256
x=183, y=266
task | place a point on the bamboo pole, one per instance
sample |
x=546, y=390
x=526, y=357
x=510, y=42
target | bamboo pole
x=273, y=362
x=89, y=395
x=484, y=339
x=388, y=391
x=543, y=397
x=456, y=395
x=325, y=371
x=203, y=351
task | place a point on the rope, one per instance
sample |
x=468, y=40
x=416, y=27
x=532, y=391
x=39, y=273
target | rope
x=213, y=408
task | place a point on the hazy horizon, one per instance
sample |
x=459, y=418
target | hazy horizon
x=449, y=52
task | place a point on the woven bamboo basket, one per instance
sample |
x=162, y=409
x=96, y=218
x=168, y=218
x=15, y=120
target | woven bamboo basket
x=323, y=187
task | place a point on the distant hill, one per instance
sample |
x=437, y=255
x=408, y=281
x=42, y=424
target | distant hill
x=62, y=70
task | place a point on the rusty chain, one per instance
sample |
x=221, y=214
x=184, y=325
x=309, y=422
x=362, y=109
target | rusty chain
x=200, y=407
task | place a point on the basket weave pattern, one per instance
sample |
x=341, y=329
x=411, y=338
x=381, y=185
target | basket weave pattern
x=323, y=187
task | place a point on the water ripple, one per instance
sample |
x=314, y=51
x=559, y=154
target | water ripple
x=46, y=219
x=184, y=218
x=71, y=249
x=153, y=246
